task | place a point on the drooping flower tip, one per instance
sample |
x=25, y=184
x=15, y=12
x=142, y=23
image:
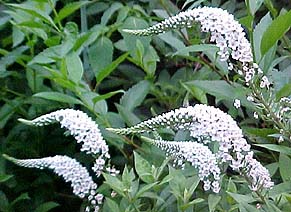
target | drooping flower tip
x=82, y=127
x=198, y=155
x=67, y=168
x=258, y=175
x=225, y=31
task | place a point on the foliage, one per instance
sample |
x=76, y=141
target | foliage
x=76, y=54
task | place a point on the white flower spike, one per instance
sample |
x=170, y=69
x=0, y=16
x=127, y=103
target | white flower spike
x=207, y=124
x=198, y=155
x=225, y=32
x=70, y=170
x=84, y=130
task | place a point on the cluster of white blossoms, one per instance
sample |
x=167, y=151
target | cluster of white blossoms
x=198, y=155
x=225, y=32
x=71, y=171
x=87, y=133
x=84, y=130
x=207, y=124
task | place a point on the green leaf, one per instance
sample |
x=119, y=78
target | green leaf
x=254, y=5
x=244, y=207
x=74, y=67
x=106, y=96
x=196, y=92
x=21, y=197
x=131, y=40
x=51, y=54
x=193, y=202
x=196, y=48
x=213, y=200
x=30, y=9
x=149, y=62
x=271, y=8
x=9, y=58
x=173, y=41
x=135, y=95
x=275, y=31
x=284, y=165
x=5, y=177
x=100, y=54
x=115, y=184
x=178, y=182
x=4, y=203
x=100, y=75
x=99, y=106
x=239, y=198
x=144, y=189
x=8, y=109
x=47, y=206
x=68, y=9
x=276, y=148
x=258, y=34
x=109, y=12
x=272, y=168
x=17, y=36
x=143, y=169
x=128, y=116
x=280, y=189
x=110, y=206
x=222, y=90
x=59, y=97
x=283, y=92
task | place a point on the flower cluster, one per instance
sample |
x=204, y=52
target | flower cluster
x=198, y=155
x=225, y=32
x=71, y=171
x=207, y=124
x=84, y=130
x=87, y=133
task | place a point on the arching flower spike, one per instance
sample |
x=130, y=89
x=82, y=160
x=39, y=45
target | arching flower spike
x=84, y=130
x=225, y=32
x=208, y=124
x=71, y=171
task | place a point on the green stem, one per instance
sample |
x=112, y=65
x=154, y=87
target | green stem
x=269, y=110
x=56, y=15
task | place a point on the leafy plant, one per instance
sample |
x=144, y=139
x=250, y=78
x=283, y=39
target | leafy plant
x=84, y=55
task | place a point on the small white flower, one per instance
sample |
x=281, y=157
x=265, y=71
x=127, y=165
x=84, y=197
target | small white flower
x=256, y=116
x=264, y=82
x=281, y=139
x=250, y=98
x=113, y=194
x=236, y=103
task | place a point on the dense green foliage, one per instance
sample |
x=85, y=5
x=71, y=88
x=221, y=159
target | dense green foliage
x=74, y=54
